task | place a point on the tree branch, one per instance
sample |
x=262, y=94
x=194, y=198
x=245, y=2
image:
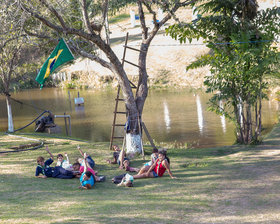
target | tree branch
x=152, y=12
x=57, y=15
x=15, y=54
x=105, y=11
x=186, y=3
x=142, y=20
x=68, y=30
x=171, y=13
x=41, y=18
x=85, y=16
x=39, y=35
x=91, y=56
x=9, y=40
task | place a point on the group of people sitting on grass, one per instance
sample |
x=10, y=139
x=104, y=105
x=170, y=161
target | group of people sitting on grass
x=83, y=168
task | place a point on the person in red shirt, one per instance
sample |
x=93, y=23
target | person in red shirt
x=158, y=168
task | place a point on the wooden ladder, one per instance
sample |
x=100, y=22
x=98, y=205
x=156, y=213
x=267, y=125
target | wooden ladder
x=118, y=99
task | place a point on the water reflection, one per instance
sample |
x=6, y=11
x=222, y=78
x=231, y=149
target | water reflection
x=199, y=114
x=80, y=111
x=166, y=116
x=169, y=115
x=223, y=118
x=69, y=100
x=269, y=104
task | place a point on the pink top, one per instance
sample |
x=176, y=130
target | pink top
x=89, y=169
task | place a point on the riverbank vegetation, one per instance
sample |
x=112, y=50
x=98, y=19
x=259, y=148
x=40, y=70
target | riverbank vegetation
x=233, y=184
x=243, y=55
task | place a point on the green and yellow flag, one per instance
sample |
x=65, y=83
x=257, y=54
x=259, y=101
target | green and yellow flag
x=60, y=55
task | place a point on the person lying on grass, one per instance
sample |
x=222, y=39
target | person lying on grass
x=126, y=181
x=157, y=169
x=44, y=168
x=78, y=170
x=86, y=179
x=88, y=159
x=116, y=155
x=79, y=167
x=64, y=163
x=121, y=159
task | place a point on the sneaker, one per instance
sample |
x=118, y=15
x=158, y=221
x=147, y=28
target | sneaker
x=102, y=178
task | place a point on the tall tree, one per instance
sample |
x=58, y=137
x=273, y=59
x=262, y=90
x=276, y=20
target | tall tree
x=11, y=37
x=242, y=56
x=169, y=8
x=82, y=26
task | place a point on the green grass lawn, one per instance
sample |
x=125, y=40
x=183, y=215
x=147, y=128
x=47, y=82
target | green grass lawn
x=233, y=184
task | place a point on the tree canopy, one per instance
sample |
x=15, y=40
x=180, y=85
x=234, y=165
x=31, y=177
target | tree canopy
x=242, y=54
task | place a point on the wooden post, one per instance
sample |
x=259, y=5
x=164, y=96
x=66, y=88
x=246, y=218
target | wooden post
x=70, y=130
x=69, y=97
x=148, y=135
x=65, y=120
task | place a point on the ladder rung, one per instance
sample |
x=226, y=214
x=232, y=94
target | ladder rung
x=131, y=63
x=118, y=112
x=133, y=86
x=119, y=137
x=134, y=49
x=119, y=125
x=120, y=99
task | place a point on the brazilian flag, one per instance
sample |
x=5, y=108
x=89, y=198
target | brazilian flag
x=60, y=55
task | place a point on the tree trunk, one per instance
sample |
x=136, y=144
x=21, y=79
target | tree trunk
x=258, y=108
x=10, y=115
x=122, y=80
x=142, y=86
x=260, y=116
x=107, y=30
x=241, y=121
x=257, y=121
x=248, y=123
x=239, y=134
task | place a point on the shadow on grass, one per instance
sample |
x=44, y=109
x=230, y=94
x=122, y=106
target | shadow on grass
x=43, y=198
x=212, y=183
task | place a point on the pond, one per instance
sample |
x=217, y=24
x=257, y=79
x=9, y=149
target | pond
x=179, y=117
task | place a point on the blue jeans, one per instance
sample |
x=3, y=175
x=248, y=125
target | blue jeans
x=59, y=172
x=90, y=161
x=155, y=174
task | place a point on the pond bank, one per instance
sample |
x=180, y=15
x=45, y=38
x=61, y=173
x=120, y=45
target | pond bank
x=233, y=184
